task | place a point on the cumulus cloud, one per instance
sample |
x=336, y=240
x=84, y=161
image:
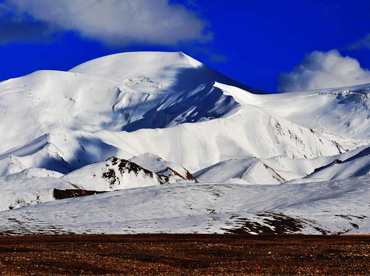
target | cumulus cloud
x=324, y=70
x=117, y=22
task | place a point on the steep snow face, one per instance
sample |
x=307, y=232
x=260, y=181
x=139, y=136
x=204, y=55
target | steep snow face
x=32, y=173
x=276, y=170
x=10, y=165
x=60, y=152
x=241, y=171
x=249, y=131
x=154, y=163
x=202, y=103
x=341, y=111
x=113, y=174
x=354, y=164
x=48, y=101
x=40, y=153
x=314, y=208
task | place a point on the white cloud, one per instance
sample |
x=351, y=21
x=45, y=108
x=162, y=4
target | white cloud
x=362, y=43
x=118, y=22
x=324, y=70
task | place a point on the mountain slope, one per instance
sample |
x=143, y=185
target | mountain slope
x=314, y=208
x=23, y=190
x=114, y=174
x=241, y=171
x=340, y=111
x=157, y=165
x=249, y=131
x=47, y=101
x=23, y=187
x=346, y=166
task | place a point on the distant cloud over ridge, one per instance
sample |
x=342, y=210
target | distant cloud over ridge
x=324, y=70
x=362, y=43
x=114, y=22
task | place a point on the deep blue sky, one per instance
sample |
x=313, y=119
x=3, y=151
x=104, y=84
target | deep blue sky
x=253, y=41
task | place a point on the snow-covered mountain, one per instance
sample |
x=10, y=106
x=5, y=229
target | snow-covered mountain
x=115, y=174
x=152, y=118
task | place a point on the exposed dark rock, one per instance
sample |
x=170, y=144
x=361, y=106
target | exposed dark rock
x=71, y=193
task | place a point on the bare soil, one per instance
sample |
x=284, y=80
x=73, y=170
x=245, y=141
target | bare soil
x=185, y=255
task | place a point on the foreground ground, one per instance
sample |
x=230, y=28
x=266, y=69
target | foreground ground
x=185, y=254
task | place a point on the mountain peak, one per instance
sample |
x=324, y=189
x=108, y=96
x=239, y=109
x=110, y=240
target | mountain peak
x=173, y=71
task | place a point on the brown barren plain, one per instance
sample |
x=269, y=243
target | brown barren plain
x=186, y=254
